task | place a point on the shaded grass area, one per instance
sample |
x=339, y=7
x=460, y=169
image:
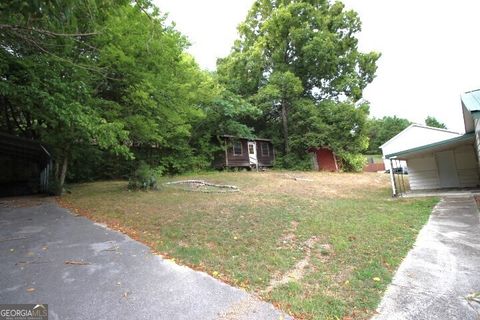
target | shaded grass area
x=258, y=234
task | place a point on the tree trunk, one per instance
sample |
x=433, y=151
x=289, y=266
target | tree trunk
x=285, y=126
x=63, y=173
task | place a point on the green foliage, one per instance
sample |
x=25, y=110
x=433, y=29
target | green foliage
x=382, y=130
x=352, y=162
x=144, y=178
x=77, y=77
x=104, y=83
x=433, y=122
x=299, y=62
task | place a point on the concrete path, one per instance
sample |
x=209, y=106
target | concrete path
x=440, y=277
x=120, y=280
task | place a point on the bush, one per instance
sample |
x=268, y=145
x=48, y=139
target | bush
x=144, y=178
x=353, y=162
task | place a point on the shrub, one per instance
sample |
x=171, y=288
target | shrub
x=144, y=178
x=352, y=162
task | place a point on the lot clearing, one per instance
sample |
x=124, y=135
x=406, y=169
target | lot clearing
x=317, y=245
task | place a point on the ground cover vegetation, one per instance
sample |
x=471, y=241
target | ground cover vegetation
x=318, y=245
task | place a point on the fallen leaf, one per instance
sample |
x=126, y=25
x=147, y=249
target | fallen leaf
x=376, y=279
x=30, y=289
x=215, y=273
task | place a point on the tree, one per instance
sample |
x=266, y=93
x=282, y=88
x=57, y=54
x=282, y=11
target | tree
x=291, y=54
x=75, y=76
x=382, y=130
x=47, y=90
x=433, y=122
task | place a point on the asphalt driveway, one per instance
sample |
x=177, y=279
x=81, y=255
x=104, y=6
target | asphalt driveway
x=83, y=270
x=440, y=277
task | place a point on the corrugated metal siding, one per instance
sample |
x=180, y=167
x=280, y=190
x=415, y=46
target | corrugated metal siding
x=467, y=166
x=423, y=172
x=477, y=138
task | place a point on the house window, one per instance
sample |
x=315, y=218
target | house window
x=237, y=148
x=265, y=149
x=251, y=149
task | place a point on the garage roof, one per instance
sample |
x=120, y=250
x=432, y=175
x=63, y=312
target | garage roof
x=471, y=100
x=433, y=147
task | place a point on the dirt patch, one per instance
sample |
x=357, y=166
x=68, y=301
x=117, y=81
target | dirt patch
x=301, y=267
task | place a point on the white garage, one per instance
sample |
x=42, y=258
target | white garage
x=450, y=163
x=414, y=135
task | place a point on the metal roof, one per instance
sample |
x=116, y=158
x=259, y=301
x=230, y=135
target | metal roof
x=471, y=100
x=436, y=146
x=418, y=126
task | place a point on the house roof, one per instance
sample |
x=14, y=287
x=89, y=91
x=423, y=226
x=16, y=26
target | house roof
x=235, y=137
x=412, y=126
x=471, y=100
x=432, y=147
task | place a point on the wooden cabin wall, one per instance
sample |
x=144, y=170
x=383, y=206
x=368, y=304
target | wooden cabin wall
x=240, y=160
x=265, y=161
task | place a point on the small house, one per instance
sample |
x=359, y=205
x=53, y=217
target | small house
x=324, y=159
x=240, y=152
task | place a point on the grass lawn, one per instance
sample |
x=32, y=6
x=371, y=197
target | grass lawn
x=324, y=246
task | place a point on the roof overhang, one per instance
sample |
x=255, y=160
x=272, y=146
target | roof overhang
x=471, y=109
x=466, y=139
x=244, y=138
x=418, y=126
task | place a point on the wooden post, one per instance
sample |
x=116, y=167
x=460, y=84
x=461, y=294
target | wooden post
x=226, y=153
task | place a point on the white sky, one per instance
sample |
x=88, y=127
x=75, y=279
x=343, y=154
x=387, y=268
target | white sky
x=430, y=49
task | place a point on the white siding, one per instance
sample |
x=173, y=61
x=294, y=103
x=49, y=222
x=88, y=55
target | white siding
x=467, y=166
x=423, y=171
x=414, y=136
x=477, y=138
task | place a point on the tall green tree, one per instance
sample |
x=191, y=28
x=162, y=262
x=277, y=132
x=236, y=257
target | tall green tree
x=383, y=129
x=292, y=51
x=49, y=77
x=105, y=74
x=433, y=122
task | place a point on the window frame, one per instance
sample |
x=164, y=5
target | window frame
x=268, y=149
x=241, y=149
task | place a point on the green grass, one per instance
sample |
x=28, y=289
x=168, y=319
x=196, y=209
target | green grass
x=252, y=236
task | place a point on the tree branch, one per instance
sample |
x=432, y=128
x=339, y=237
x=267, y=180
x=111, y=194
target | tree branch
x=47, y=32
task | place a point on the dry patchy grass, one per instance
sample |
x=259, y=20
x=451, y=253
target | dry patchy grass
x=255, y=237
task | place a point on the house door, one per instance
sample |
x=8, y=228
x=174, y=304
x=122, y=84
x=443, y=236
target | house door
x=252, y=153
x=447, y=170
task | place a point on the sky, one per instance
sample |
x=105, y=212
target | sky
x=430, y=49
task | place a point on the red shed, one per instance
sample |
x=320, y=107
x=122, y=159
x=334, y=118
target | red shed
x=324, y=159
